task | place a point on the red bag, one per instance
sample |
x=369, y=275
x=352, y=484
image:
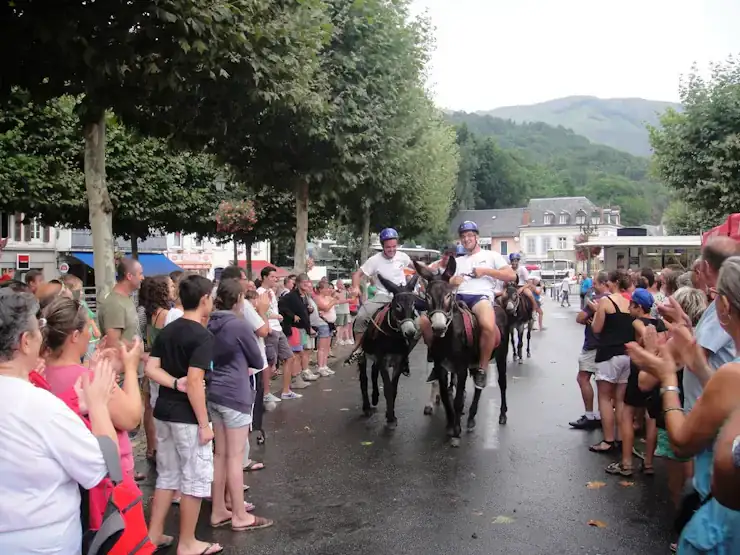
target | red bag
x=123, y=530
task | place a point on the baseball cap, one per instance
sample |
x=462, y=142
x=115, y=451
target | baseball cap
x=643, y=298
x=450, y=248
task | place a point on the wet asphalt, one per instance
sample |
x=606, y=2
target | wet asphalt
x=337, y=483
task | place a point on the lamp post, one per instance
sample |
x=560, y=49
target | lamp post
x=588, y=228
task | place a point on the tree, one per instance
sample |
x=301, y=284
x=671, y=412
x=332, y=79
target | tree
x=151, y=187
x=679, y=219
x=697, y=150
x=139, y=58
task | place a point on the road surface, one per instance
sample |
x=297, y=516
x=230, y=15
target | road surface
x=338, y=484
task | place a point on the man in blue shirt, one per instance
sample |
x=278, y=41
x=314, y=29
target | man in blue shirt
x=586, y=286
x=591, y=419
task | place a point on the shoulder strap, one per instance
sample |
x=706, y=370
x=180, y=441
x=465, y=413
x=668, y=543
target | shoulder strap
x=111, y=458
x=616, y=308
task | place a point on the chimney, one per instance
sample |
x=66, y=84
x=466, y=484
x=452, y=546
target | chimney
x=525, y=216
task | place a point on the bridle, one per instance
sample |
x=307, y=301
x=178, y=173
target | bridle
x=447, y=314
x=389, y=320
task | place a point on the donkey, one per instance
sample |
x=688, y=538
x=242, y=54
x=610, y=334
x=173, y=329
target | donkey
x=520, y=313
x=455, y=348
x=392, y=334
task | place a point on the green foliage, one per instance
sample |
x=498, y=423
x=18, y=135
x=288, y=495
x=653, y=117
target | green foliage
x=697, y=151
x=616, y=122
x=680, y=219
x=538, y=160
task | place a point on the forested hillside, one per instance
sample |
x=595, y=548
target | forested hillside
x=617, y=122
x=504, y=164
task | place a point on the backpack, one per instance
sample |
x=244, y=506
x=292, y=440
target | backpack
x=123, y=530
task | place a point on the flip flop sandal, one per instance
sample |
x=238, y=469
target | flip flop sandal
x=258, y=524
x=220, y=523
x=207, y=550
x=618, y=468
x=647, y=470
x=166, y=544
x=254, y=466
x=598, y=449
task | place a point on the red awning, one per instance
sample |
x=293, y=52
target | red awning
x=257, y=266
x=730, y=228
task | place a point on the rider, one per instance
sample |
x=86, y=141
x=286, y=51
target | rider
x=389, y=263
x=480, y=275
x=523, y=285
x=440, y=265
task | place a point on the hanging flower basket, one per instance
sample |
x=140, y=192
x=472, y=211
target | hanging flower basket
x=235, y=217
x=582, y=253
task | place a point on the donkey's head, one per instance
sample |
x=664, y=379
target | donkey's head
x=440, y=295
x=403, y=314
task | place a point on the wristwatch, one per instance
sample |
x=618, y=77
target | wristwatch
x=736, y=452
x=670, y=388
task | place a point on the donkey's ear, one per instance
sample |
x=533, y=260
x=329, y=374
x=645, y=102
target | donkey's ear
x=451, y=268
x=422, y=270
x=411, y=285
x=390, y=286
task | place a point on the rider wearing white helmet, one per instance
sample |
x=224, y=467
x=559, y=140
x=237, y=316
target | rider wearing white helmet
x=479, y=277
x=389, y=263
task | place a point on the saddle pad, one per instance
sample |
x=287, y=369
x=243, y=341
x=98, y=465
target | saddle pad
x=468, y=324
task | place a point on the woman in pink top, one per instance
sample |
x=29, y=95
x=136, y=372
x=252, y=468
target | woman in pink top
x=66, y=337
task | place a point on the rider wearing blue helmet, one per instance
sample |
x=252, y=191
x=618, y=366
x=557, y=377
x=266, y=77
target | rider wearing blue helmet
x=479, y=277
x=524, y=284
x=389, y=263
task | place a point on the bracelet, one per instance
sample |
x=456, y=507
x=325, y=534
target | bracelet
x=174, y=385
x=666, y=411
x=203, y=427
x=670, y=388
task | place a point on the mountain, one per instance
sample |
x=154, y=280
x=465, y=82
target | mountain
x=616, y=122
x=540, y=161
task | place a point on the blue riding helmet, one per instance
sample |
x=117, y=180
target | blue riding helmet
x=460, y=251
x=387, y=234
x=467, y=226
x=514, y=256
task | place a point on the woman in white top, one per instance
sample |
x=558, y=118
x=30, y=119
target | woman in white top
x=46, y=451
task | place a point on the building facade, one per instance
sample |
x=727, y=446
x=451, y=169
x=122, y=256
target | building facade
x=28, y=246
x=499, y=228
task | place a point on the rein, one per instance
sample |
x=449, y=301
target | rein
x=388, y=320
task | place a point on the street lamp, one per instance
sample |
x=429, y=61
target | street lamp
x=588, y=228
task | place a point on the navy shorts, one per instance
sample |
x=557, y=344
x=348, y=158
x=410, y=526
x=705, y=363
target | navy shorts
x=472, y=300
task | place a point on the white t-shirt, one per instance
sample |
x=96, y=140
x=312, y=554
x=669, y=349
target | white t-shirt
x=390, y=268
x=565, y=285
x=483, y=285
x=523, y=274
x=172, y=315
x=45, y=452
x=272, y=312
x=256, y=321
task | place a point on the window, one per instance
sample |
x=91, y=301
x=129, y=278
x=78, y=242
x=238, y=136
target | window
x=546, y=244
x=563, y=219
x=18, y=231
x=595, y=219
x=531, y=245
x=199, y=242
x=504, y=247
x=35, y=230
x=616, y=219
x=581, y=218
x=562, y=243
x=548, y=219
x=177, y=240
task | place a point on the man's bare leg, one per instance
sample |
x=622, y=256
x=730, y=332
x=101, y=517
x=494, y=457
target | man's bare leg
x=490, y=337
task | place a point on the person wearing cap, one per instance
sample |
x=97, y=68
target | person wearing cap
x=523, y=283
x=390, y=263
x=635, y=399
x=480, y=275
x=449, y=251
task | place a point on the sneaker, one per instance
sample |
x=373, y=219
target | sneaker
x=479, y=378
x=271, y=406
x=325, y=372
x=291, y=395
x=299, y=383
x=585, y=423
x=270, y=398
x=309, y=376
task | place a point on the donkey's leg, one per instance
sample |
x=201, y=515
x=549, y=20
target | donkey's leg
x=520, y=342
x=390, y=418
x=376, y=393
x=462, y=376
x=362, y=367
x=433, y=398
x=444, y=393
x=501, y=356
x=530, y=325
x=513, y=342
x=474, y=408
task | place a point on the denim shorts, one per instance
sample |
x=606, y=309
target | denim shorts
x=229, y=417
x=323, y=331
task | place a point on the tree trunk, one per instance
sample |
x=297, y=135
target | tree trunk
x=301, y=227
x=236, y=251
x=248, y=247
x=135, y=246
x=365, y=246
x=99, y=203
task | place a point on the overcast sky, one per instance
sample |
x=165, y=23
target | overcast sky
x=492, y=53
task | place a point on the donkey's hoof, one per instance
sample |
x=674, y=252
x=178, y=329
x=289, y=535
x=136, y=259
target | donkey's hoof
x=450, y=432
x=454, y=442
x=367, y=412
x=437, y=400
x=428, y=410
x=375, y=399
x=529, y=355
x=502, y=419
x=521, y=361
x=471, y=424
x=391, y=424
